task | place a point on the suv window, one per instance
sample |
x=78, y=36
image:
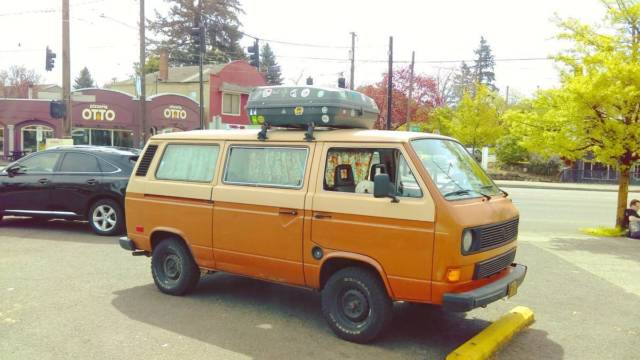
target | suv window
x=188, y=162
x=266, y=166
x=106, y=167
x=79, y=163
x=40, y=163
x=352, y=170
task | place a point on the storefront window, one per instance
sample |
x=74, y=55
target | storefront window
x=101, y=137
x=34, y=137
x=230, y=104
x=81, y=137
x=122, y=138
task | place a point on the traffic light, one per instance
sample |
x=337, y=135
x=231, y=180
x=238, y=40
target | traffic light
x=309, y=80
x=254, y=54
x=57, y=109
x=197, y=35
x=342, y=82
x=50, y=59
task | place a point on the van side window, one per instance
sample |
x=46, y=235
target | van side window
x=188, y=162
x=266, y=166
x=352, y=170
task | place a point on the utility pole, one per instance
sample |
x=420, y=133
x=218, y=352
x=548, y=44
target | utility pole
x=66, y=72
x=507, y=96
x=353, y=59
x=200, y=23
x=142, y=98
x=390, y=84
x=413, y=60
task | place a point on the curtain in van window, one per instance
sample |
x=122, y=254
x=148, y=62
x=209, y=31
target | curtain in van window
x=188, y=163
x=276, y=166
x=360, y=162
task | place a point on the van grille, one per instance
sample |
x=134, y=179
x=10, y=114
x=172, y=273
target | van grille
x=492, y=266
x=496, y=234
x=145, y=162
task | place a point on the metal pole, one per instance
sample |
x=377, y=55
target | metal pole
x=390, y=84
x=353, y=59
x=200, y=60
x=66, y=71
x=143, y=88
x=413, y=59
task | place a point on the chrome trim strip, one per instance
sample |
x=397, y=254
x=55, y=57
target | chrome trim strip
x=38, y=212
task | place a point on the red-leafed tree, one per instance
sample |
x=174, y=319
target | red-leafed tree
x=425, y=97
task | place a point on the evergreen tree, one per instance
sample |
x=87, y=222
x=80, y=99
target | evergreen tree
x=269, y=65
x=221, y=23
x=84, y=80
x=462, y=82
x=483, y=65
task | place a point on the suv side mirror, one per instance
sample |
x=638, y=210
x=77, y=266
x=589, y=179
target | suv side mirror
x=382, y=187
x=13, y=170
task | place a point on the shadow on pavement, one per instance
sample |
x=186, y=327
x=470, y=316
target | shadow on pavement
x=56, y=230
x=266, y=320
x=623, y=248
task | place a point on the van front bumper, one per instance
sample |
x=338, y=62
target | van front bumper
x=465, y=301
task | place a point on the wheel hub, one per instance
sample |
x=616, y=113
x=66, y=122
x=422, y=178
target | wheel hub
x=171, y=266
x=355, y=306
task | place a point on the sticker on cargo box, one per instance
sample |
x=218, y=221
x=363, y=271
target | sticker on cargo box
x=325, y=119
x=321, y=93
x=305, y=92
x=299, y=110
x=293, y=93
x=324, y=109
x=266, y=92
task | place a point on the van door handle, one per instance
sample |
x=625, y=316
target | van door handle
x=291, y=212
x=321, y=216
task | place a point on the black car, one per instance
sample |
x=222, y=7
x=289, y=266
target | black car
x=70, y=182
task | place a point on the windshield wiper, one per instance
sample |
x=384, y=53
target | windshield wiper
x=465, y=192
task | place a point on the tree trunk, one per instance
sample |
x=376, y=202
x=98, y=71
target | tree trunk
x=623, y=192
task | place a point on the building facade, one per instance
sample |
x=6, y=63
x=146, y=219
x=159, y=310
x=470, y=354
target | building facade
x=99, y=117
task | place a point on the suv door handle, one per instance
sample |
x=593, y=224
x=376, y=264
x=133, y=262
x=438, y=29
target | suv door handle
x=321, y=216
x=43, y=181
x=92, y=181
x=291, y=212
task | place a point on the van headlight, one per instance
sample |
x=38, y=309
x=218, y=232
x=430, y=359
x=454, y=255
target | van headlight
x=467, y=241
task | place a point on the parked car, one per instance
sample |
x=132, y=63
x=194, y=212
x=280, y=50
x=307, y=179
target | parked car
x=70, y=182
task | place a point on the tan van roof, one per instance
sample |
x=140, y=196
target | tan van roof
x=298, y=135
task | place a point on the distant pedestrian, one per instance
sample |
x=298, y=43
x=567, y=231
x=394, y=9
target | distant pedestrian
x=631, y=219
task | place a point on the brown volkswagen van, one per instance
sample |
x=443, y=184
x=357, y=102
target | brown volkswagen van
x=365, y=217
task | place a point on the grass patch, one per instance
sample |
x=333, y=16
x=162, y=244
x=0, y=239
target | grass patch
x=604, y=231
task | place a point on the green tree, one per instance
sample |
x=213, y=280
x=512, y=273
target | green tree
x=476, y=121
x=483, y=65
x=596, y=109
x=150, y=66
x=221, y=23
x=84, y=80
x=269, y=65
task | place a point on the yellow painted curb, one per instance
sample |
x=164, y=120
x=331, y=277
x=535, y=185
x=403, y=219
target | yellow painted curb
x=489, y=340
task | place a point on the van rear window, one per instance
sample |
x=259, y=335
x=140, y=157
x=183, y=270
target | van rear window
x=188, y=162
x=266, y=166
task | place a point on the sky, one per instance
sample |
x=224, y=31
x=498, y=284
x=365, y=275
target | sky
x=104, y=36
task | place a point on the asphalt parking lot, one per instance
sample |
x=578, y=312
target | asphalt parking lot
x=66, y=293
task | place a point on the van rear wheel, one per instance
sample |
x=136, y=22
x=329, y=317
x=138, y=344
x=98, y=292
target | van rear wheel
x=173, y=269
x=355, y=304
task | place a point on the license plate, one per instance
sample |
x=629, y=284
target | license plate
x=512, y=289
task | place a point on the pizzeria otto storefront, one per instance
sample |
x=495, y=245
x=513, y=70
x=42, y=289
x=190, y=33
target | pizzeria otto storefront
x=99, y=117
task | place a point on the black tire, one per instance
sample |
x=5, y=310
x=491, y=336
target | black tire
x=173, y=268
x=106, y=217
x=355, y=304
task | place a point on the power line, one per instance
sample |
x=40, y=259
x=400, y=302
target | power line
x=45, y=11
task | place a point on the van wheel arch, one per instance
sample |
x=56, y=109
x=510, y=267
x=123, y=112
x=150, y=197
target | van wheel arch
x=335, y=264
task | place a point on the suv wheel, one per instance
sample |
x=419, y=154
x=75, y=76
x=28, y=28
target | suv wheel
x=174, y=270
x=106, y=217
x=356, y=305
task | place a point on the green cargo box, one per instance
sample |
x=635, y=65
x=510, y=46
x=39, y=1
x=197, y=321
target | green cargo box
x=300, y=106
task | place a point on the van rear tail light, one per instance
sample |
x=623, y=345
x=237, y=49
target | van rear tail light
x=139, y=228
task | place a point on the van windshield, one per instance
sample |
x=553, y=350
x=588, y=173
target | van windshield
x=453, y=170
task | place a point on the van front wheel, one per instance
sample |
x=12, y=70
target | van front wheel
x=174, y=270
x=355, y=304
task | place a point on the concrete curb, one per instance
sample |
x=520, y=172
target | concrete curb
x=489, y=340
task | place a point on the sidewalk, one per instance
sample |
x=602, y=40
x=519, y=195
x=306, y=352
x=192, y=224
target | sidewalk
x=562, y=186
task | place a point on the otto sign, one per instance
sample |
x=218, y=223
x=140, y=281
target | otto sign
x=98, y=113
x=175, y=112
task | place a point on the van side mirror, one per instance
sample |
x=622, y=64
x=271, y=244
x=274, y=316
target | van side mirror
x=382, y=187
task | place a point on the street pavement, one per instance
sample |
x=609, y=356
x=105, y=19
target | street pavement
x=67, y=294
